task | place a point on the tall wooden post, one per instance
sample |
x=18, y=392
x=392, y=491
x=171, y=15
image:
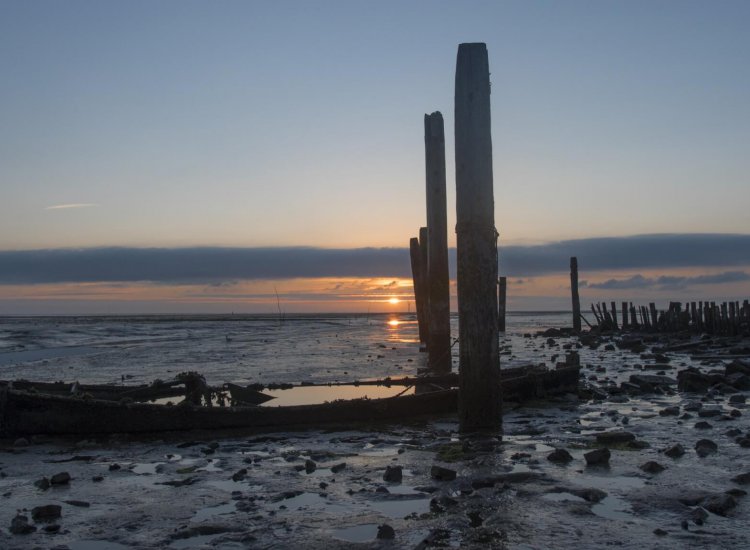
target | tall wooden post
x=624, y=315
x=479, y=402
x=417, y=279
x=438, y=282
x=574, y=294
x=502, y=292
x=424, y=270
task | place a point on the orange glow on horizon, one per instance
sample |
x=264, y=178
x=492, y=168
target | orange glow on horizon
x=394, y=301
x=394, y=323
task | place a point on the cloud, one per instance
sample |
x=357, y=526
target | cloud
x=215, y=265
x=667, y=282
x=72, y=205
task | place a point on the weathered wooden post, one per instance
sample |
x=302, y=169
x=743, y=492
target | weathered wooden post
x=624, y=315
x=417, y=280
x=574, y=294
x=438, y=282
x=502, y=292
x=613, y=307
x=423, y=267
x=479, y=402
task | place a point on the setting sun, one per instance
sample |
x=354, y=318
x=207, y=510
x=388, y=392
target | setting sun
x=394, y=301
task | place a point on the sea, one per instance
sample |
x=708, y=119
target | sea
x=241, y=349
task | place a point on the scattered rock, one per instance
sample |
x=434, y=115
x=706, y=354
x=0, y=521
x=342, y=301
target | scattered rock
x=720, y=504
x=670, y=411
x=705, y=447
x=47, y=512
x=310, y=466
x=21, y=442
x=42, y=484
x=239, y=475
x=338, y=467
x=19, y=525
x=63, y=478
x=675, y=451
x=386, y=532
x=652, y=467
x=560, y=456
x=114, y=467
x=660, y=532
x=702, y=425
x=78, y=503
x=698, y=515
x=97, y=479
x=393, y=474
x=597, y=457
x=737, y=398
x=742, y=479
x=442, y=474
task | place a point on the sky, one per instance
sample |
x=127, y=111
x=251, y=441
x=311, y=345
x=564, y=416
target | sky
x=288, y=137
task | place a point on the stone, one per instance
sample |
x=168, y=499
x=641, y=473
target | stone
x=78, y=503
x=239, y=475
x=560, y=456
x=97, y=479
x=698, y=515
x=614, y=437
x=660, y=532
x=310, y=466
x=21, y=442
x=737, y=398
x=19, y=525
x=42, y=484
x=702, y=425
x=708, y=412
x=675, y=451
x=393, y=474
x=652, y=467
x=719, y=504
x=597, y=457
x=705, y=447
x=47, y=512
x=338, y=467
x=670, y=411
x=386, y=532
x=742, y=479
x=442, y=474
x=63, y=478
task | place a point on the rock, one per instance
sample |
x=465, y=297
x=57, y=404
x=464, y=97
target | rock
x=393, y=474
x=693, y=406
x=560, y=456
x=114, y=467
x=53, y=528
x=705, y=447
x=737, y=398
x=670, y=411
x=239, y=475
x=637, y=444
x=48, y=512
x=692, y=380
x=386, y=532
x=440, y=504
x=63, y=478
x=660, y=532
x=698, y=515
x=310, y=466
x=652, y=467
x=338, y=467
x=675, y=451
x=614, y=437
x=736, y=492
x=442, y=474
x=742, y=479
x=647, y=382
x=589, y=495
x=19, y=525
x=719, y=504
x=97, y=479
x=744, y=442
x=78, y=503
x=737, y=367
x=739, y=381
x=702, y=425
x=708, y=412
x=597, y=457
x=42, y=484
x=21, y=442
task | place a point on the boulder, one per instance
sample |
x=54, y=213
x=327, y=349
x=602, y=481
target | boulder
x=597, y=457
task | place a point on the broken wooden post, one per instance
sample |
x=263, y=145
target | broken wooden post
x=479, y=402
x=417, y=279
x=423, y=252
x=654, y=315
x=574, y=294
x=614, y=315
x=502, y=295
x=438, y=282
x=624, y=315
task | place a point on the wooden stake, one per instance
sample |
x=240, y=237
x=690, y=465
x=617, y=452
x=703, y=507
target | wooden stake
x=417, y=279
x=574, y=294
x=479, y=401
x=502, y=290
x=439, y=344
x=424, y=270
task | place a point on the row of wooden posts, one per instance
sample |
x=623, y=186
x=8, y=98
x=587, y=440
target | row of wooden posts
x=480, y=406
x=728, y=318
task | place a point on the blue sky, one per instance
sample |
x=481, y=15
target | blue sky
x=276, y=124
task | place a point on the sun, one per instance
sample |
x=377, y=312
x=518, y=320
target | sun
x=394, y=300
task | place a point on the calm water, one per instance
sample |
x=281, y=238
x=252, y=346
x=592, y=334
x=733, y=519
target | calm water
x=238, y=349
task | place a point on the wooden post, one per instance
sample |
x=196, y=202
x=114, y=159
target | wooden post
x=624, y=315
x=633, y=316
x=417, y=279
x=502, y=290
x=574, y=294
x=438, y=284
x=596, y=315
x=423, y=269
x=479, y=398
x=613, y=307
x=654, y=315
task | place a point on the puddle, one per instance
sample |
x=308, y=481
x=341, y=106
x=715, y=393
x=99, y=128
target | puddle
x=311, y=395
x=397, y=509
x=562, y=497
x=213, y=511
x=146, y=469
x=613, y=507
x=403, y=490
x=307, y=501
x=95, y=545
x=357, y=533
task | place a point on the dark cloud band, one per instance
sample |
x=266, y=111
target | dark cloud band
x=211, y=264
